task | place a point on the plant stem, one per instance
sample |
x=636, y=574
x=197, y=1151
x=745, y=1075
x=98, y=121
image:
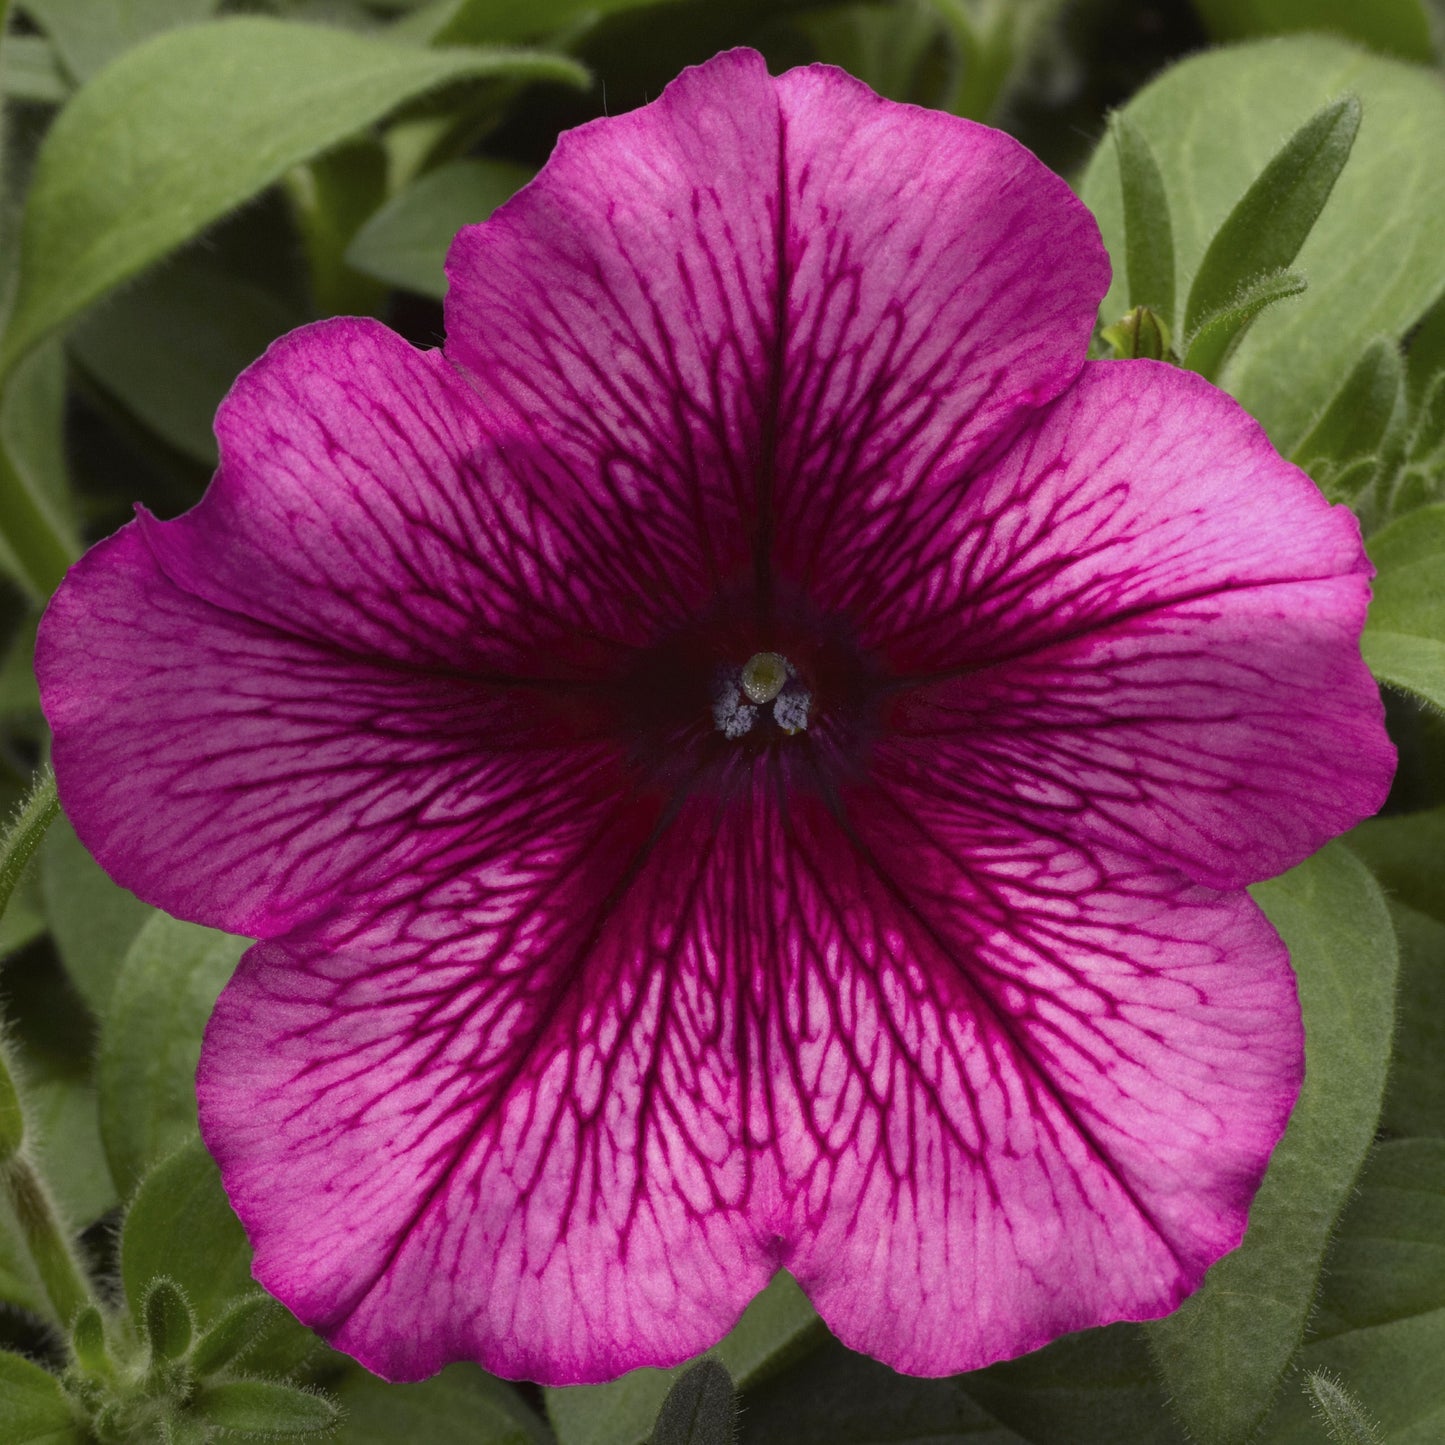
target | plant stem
x=66, y=1289
x=23, y=836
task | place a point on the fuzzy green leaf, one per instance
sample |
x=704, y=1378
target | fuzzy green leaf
x=1224, y=1352
x=181, y=1226
x=1381, y=1323
x=169, y=347
x=836, y=1397
x=405, y=243
x=1265, y=230
x=1393, y=27
x=91, y=919
x=778, y=1327
x=461, y=1406
x=264, y=1407
x=191, y=124
x=150, y=1040
x=1221, y=331
x=1373, y=259
x=90, y=33
x=169, y=1324
x=1404, y=640
x=1148, y=235
x=33, y=1407
x=700, y=1409
x=1360, y=412
x=1092, y=1388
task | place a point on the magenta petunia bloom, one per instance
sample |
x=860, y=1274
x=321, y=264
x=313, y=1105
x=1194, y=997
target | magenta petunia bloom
x=750, y=758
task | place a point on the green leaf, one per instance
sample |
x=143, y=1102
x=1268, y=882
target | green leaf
x=1425, y=357
x=461, y=1406
x=30, y=71
x=23, y=836
x=836, y=1397
x=33, y=1407
x=19, y=1284
x=1393, y=27
x=503, y=22
x=1404, y=853
x=1148, y=235
x=1415, y=1095
x=169, y=347
x=405, y=243
x=89, y=33
x=700, y=1409
x=331, y=197
x=1404, y=640
x=65, y=1114
x=92, y=919
x=181, y=1226
x=266, y=1408
x=1373, y=259
x=1221, y=331
x=1346, y=1421
x=1092, y=1388
x=1360, y=412
x=240, y=1327
x=775, y=1329
x=1265, y=230
x=150, y=1040
x=195, y=122
x=1382, y=1314
x=1223, y=1353
x=169, y=1325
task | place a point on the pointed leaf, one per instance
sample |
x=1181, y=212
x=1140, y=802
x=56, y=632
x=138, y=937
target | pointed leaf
x=1265, y=231
x=405, y=242
x=169, y=347
x=1359, y=414
x=775, y=1329
x=1404, y=640
x=1148, y=233
x=194, y=122
x=169, y=1324
x=1381, y=1323
x=1373, y=259
x=836, y=1397
x=33, y=1407
x=1393, y=27
x=1345, y=1420
x=91, y=919
x=150, y=1041
x=700, y=1409
x=181, y=1226
x=1223, y=1354
x=1221, y=331
x=1092, y=1388
x=264, y=1407
x=461, y=1406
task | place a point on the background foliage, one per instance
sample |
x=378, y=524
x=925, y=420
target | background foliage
x=183, y=180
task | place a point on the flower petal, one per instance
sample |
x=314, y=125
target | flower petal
x=330, y=668
x=1142, y=628
x=736, y=307
x=1037, y=1085
x=567, y=1122
x=504, y=1120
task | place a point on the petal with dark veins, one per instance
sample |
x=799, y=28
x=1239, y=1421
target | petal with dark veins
x=1141, y=627
x=756, y=307
x=570, y=1130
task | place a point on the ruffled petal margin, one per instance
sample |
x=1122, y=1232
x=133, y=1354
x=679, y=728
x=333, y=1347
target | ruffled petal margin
x=972, y=1092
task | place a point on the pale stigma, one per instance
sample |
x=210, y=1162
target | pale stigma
x=741, y=695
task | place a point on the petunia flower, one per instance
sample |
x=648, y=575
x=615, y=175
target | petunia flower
x=747, y=759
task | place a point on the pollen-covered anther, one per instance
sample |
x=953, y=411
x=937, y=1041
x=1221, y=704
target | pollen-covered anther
x=742, y=693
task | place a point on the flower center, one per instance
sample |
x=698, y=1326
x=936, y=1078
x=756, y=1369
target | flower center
x=741, y=694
